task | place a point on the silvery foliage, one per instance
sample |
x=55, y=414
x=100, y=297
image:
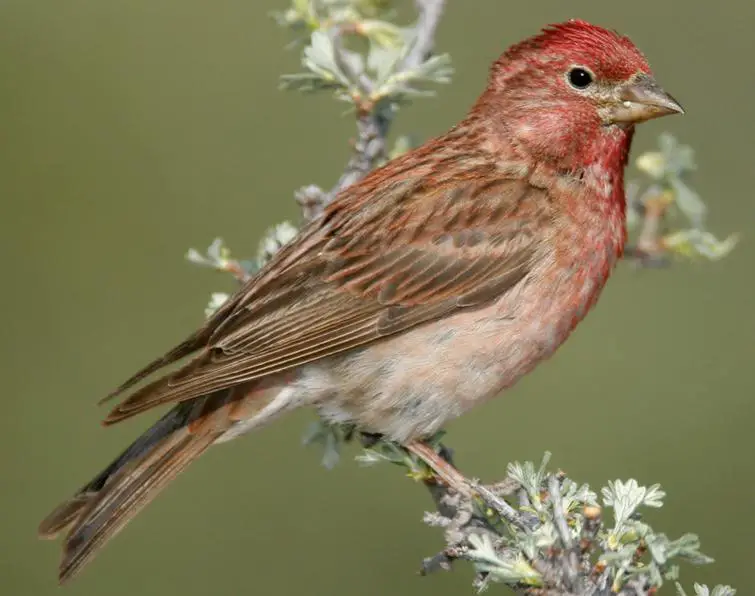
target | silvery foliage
x=667, y=172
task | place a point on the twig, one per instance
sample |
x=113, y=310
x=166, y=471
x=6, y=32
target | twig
x=440, y=562
x=569, y=561
x=500, y=506
x=648, y=250
x=430, y=12
x=558, y=512
x=235, y=268
x=373, y=121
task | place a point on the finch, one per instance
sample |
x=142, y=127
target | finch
x=426, y=288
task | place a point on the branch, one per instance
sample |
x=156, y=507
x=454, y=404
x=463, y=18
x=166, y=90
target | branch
x=540, y=533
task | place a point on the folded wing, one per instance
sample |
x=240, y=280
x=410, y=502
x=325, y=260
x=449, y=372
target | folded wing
x=384, y=258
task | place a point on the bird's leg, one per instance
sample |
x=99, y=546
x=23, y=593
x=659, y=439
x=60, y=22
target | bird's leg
x=442, y=469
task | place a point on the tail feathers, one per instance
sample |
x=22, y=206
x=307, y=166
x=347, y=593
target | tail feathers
x=109, y=511
x=68, y=512
x=104, y=506
x=64, y=515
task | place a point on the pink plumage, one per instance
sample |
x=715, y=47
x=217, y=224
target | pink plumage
x=425, y=289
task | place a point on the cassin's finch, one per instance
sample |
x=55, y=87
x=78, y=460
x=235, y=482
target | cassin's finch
x=428, y=287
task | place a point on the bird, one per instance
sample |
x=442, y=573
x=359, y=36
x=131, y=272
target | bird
x=428, y=287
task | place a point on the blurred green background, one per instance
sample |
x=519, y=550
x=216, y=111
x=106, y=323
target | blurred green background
x=134, y=130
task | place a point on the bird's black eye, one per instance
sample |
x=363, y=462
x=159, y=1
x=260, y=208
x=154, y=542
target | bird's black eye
x=579, y=78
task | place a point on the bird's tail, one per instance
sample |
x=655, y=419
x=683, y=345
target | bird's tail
x=100, y=509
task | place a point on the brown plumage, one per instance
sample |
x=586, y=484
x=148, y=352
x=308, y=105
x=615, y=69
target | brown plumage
x=357, y=279
x=424, y=289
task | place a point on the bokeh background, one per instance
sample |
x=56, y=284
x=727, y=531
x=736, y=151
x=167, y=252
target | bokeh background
x=134, y=130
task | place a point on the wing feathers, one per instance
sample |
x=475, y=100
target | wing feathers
x=381, y=261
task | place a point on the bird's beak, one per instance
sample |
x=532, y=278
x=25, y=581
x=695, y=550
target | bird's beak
x=643, y=99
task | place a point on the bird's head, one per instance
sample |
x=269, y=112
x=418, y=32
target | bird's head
x=566, y=92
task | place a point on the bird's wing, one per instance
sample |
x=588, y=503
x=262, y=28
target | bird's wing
x=384, y=258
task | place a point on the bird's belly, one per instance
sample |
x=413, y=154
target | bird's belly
x=409, y=385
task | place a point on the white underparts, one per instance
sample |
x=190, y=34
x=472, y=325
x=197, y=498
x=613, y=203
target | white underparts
x=284, y=401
